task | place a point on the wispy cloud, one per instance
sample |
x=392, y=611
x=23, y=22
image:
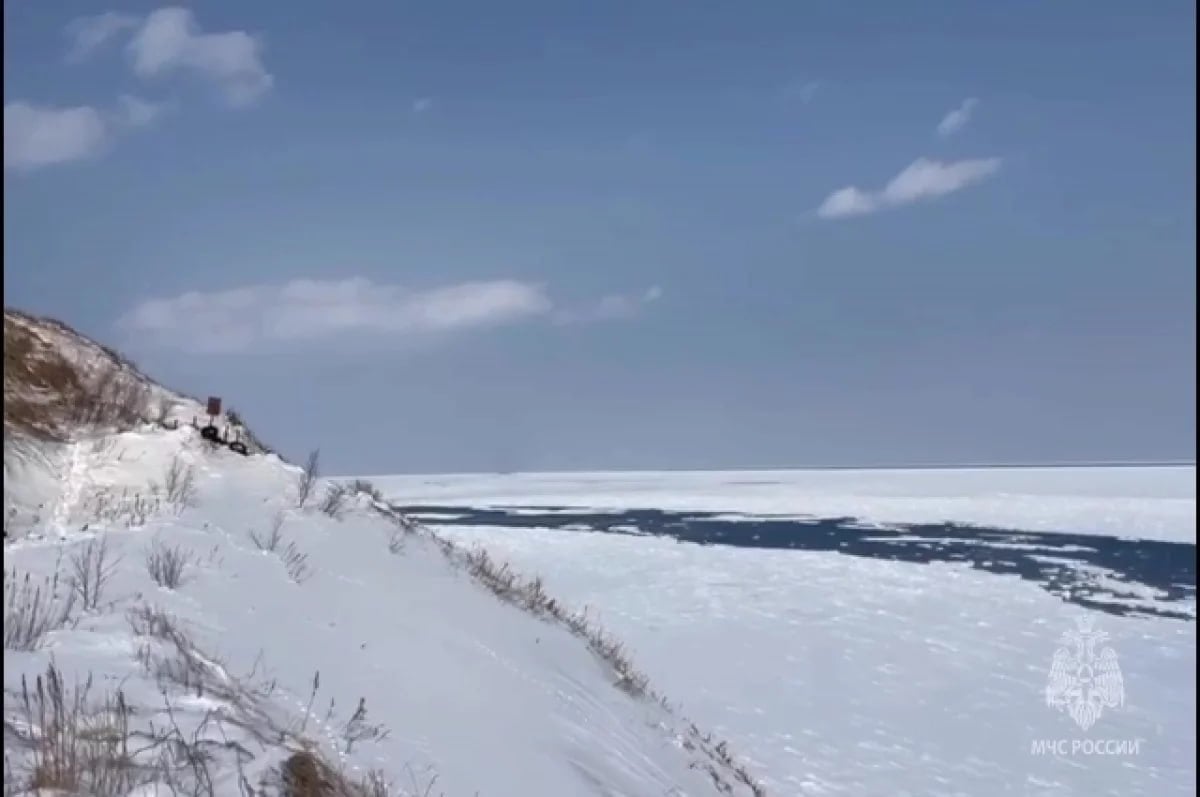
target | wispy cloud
x=610, y=308
x=421, y=105
x=957, y=119
x=169, y=41
x=162, y=42
x=922, y=179
x=247, y=318
x=37, y=135
x=89, y=34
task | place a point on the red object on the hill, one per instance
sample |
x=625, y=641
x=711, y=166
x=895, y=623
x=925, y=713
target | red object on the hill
x=214, y=405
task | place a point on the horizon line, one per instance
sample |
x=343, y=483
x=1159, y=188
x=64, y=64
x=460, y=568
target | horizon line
x=1191, y=463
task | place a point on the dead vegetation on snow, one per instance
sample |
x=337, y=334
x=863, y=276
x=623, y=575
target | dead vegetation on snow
x=33, y=608
x=46, y=394
x=530, y=594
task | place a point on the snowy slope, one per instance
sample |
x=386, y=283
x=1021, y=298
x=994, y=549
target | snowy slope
x=475, y=693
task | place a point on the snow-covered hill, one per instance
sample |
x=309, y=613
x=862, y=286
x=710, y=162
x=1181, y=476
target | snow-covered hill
x=176, y=622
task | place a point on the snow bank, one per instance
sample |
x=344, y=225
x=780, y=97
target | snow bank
x=345, y=614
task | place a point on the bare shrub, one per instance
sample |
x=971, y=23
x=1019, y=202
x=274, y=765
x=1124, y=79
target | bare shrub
x=333, y=503
x=146, y=620
x=269, y=542
x=402, y=527
x=167, y=564
x=308, y=478
x=367, y=488
x=33, y=609
x=296, y=563
x=91, y=569
x=179, y=483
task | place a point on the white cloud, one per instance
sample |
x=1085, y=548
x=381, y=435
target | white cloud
x=848, y=201
x=609, y=308
x=957, y=119
x=89, y=34
x=307, y=310
x=922, y=179
x=422, y=105
x=169, y=41
x=37, y=136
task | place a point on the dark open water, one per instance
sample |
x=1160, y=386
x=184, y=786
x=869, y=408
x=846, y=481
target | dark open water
x=1059, y=563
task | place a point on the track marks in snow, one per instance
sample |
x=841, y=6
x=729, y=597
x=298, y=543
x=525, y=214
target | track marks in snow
x=73, y=488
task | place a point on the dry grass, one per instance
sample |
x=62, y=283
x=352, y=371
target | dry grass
x=270, y=541
x=40, y=386
x=146, y=620
x=307, y=479
x=75, y=746
x=91, y=569
x=45, y=393
x=296, y=563
x=294, y=560
x=179, y=483
x=175, y=661
x=129, y=509
x=167, y=564
x=304, y=774
x=333, y=502
x=113, y=398
x=530, y=595
x=33, y=609
x=367, y=488
x=71, y=743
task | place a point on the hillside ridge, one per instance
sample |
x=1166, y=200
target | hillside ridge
x=227, y=608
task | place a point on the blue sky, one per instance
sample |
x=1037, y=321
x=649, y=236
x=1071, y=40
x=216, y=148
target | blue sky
x=542, y=235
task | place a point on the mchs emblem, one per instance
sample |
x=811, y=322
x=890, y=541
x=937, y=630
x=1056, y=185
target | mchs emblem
x=1085, y=677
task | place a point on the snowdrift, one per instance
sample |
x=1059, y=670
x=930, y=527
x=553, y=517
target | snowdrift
x=240, y=628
